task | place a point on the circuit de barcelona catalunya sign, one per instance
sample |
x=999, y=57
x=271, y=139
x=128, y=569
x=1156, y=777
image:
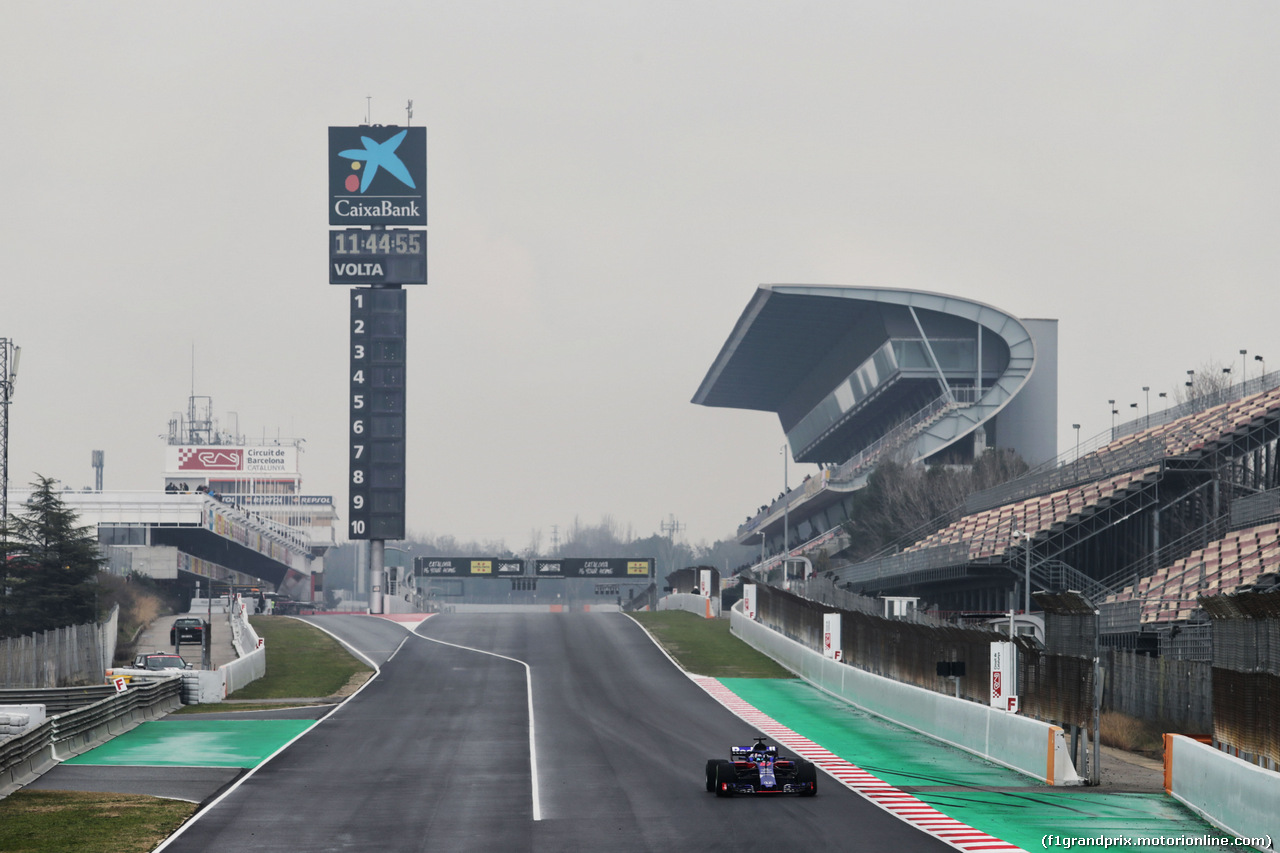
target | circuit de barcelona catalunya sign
x=377, y=175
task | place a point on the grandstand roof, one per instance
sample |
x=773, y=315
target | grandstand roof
x=841, y=366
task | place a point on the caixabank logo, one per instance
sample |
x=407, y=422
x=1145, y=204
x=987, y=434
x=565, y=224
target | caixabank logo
x=377, y=176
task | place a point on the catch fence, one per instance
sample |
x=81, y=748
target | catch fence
x=63, y=657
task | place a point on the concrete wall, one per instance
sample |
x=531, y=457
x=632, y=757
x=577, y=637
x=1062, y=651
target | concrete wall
x=201, y=606
x=1029, y=746
x=1228, y=792
x=699, y=604
x=1029, y=424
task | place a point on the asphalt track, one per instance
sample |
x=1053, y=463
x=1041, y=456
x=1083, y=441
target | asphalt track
x=434, y=754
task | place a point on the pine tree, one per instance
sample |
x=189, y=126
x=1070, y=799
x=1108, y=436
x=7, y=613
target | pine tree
x=51, y=566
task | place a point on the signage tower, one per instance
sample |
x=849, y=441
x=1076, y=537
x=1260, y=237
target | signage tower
x=377, y=243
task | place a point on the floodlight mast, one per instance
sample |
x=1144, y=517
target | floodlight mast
x=9, y=355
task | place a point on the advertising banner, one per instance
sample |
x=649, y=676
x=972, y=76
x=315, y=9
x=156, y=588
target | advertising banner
x=749, y=600
x=594, y=567
x=467, y=567
x=377, y=176
x=216, y=459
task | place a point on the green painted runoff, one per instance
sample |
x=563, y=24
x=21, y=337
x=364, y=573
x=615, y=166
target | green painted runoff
x=191, y=742
x=1019, y=810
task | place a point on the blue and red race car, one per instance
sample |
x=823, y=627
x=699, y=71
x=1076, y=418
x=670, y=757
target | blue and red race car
x=758, y=769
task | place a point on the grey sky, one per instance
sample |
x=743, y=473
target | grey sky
x=608, y=183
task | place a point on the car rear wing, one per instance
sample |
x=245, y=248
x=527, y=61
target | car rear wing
x=744, y=752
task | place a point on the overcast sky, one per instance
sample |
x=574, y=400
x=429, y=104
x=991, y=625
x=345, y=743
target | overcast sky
x=608, y=184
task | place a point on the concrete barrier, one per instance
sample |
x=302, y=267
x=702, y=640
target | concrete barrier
x=240, y=672
x=1029, y=746
x=19, y=719
x=1226, y=791
x=701, y=605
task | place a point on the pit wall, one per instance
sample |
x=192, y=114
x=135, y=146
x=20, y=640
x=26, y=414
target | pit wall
x=1038, y=749
x=1226, y=791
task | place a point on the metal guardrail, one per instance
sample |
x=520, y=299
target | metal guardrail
x=57, y=700
x=74, y=730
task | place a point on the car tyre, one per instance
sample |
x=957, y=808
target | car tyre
x=712, y=763
x=725, y=773
x=806, y=772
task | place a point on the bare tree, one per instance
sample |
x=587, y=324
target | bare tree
x=1210, y=384
x=534, y=548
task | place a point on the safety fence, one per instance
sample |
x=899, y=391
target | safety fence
x=1178, y=694
x=76, y=654
x=910, y=649
x=1246, y=674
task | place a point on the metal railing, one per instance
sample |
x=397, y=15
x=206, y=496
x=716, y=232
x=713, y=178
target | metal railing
x=850, y=470
x=73, y=731
x=897, y=437
x=1058, y=576
x=1198, y=404
x=897, y=565
x=1086, y=469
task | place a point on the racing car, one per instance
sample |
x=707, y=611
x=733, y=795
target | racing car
x=758, y=769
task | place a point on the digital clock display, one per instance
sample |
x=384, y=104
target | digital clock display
x=361, y=243
x=361, y=256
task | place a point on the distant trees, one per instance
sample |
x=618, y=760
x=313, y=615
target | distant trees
x=578, y=539
x=48, y=566
x=900, y=499
x=1210, y=384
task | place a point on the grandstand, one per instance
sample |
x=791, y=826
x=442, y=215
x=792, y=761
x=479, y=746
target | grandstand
x=1142, y=524
x=860, y=374
x=857, y=375
x=1241, y=561
x=1142, y=520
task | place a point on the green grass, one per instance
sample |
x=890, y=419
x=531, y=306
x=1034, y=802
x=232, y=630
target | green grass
x=705, y=646
x=77, y=822
x=303, y=662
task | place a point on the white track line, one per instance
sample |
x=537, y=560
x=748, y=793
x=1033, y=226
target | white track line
x=533, y=748
x=252, y=770
x=900, y=804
